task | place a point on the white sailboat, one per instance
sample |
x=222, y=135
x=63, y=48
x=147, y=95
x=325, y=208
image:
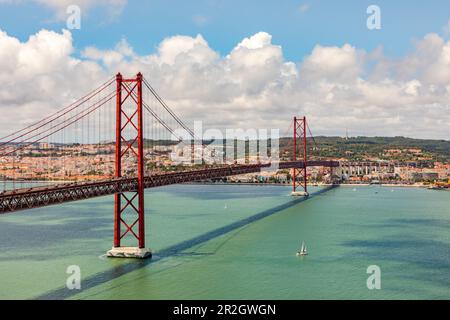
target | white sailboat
x=303, y=251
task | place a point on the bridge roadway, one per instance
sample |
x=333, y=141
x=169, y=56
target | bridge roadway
x=35, y=197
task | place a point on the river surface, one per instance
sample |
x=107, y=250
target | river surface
x=237, y=242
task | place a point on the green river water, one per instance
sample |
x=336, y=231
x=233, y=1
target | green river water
x=237, y=242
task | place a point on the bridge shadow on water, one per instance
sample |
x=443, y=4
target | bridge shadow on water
x=177, y=249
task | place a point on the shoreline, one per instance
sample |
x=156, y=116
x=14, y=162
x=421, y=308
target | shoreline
x=402, y=185
x=391, y=185
x=38, y=181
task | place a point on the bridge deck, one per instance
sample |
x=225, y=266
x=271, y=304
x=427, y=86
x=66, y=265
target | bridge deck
x=28, y=198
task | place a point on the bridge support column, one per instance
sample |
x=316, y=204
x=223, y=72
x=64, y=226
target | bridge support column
x=335, y=175
x=129, y=207
x=299, y=177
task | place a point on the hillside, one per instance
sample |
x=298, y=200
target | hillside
x=386, y=148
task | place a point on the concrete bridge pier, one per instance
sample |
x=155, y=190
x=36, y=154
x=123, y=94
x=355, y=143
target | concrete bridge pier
x=336, y=174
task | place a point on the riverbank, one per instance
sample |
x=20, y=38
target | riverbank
x=400, y=185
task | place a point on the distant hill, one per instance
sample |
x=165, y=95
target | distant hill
x=388, y=148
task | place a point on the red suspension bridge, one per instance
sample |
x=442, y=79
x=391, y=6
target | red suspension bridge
x=114, y=141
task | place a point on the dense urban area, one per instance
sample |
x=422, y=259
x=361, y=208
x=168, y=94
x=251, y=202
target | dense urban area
x=363, y=160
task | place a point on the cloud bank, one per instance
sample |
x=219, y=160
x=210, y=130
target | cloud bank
x=253, y=86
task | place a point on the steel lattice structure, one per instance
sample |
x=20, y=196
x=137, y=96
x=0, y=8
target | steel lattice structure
x=135, y=144
x=300, y=141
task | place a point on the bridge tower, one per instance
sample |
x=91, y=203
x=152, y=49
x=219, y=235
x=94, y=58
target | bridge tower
x=299, y=178
x=129, y=134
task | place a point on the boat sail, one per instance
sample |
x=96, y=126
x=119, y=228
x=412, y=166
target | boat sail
x=303, y=251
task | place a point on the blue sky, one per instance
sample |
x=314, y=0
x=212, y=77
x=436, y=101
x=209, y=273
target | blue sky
x=223, y=23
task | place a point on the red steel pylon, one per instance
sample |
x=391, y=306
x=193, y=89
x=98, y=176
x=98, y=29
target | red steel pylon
x=299, y=178
x=132, y=122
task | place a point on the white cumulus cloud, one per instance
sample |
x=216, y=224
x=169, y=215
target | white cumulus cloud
x=253, y=86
